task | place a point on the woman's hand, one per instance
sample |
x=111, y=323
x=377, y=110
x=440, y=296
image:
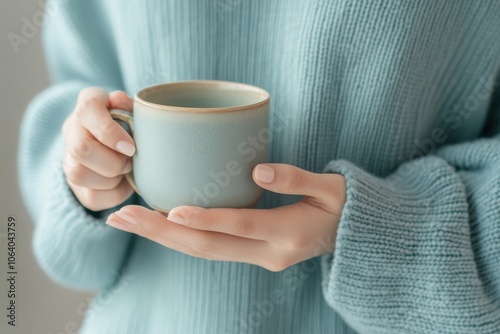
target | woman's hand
x=271, y=238
x=98, y=150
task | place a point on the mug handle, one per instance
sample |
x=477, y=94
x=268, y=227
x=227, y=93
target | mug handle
x=128, y=118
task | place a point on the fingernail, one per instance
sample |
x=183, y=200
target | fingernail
x=128, y=167
x=126, y=217
x=176, y=218
x=125, y=148
x=264, y=173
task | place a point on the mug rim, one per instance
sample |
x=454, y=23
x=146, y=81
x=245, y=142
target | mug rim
x=245, y=87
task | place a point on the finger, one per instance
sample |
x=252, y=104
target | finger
x=116, y=221
x=287, y=225
x=95, y=156
x=120, y=100
x=256, y=224
x=93, y=114
x=155, y=226
x=97, y=200
x=68, y=124
x=288, y=179
x=80, y=175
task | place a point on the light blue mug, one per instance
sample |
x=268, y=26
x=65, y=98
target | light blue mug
x=197, y=143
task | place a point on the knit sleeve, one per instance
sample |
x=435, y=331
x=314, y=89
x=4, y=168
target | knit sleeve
x=72, y=244
x=418, y=251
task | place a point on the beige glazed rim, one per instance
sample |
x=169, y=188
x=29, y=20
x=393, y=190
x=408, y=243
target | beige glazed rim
x=141, y=95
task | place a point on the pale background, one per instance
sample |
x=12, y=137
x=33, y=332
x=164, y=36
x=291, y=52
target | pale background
x=42, y=306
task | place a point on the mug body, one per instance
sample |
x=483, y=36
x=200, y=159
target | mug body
x=198, y=142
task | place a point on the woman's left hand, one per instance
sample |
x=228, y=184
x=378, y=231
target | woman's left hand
x=271, y=238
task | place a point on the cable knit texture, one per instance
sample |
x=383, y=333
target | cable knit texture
x=398, y=96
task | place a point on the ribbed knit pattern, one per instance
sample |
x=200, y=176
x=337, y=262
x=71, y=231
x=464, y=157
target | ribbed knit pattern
x=394, y=95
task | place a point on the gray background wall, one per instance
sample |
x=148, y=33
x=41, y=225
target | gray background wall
x=42, y=306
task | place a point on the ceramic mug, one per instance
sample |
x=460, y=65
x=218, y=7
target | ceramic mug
x=197, y=143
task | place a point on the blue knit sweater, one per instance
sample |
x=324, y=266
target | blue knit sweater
x=398, y=96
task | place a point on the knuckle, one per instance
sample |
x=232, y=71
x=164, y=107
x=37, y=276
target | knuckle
x=151, y=227
x=87, y=91
x=106, y=127
x=87, y=197
x=91, y=102
x=115, y=183
x=299, y=241
x=80, y=149
x=120, y=193
x=205, y=246
x=118, y=96
x=114, y=169
x=152, y=231
x=294, y=179
x=75, y=174
x=88, y=104
x=243, y=226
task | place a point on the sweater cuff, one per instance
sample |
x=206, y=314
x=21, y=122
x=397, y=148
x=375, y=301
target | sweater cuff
x=398, y=236
x=74, y=247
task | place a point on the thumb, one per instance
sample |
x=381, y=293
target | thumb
x=288, y=179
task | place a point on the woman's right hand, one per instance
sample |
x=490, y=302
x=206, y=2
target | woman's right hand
x=98, y=150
